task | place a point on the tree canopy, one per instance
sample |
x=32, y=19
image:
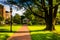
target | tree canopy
x=48, y=8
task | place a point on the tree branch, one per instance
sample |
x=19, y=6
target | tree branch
x=41, y=10
x=44, y=8
x=34, y=12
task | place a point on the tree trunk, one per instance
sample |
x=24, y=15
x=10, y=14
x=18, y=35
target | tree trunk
x=50, y=25
x=49, y=19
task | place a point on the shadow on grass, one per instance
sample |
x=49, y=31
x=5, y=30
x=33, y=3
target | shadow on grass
x=48, y=36
x=8, y=31
x=14, y=31
x=37, y=30
x=3, y=29
x=40, y=30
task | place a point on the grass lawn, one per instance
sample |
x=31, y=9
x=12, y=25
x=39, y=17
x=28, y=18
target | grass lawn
x=36, y=33
x=14, y=27
x=7, y=27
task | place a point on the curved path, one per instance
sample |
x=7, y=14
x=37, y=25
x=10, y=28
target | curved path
x=22, y=34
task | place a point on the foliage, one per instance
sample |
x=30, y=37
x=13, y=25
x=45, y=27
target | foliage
x=45, y=9
x=33, y=19
x=17, y=19
x=8, y=21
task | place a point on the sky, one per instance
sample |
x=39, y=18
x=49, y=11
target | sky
x=14, y=11
x=2, y=0
x=20, y=12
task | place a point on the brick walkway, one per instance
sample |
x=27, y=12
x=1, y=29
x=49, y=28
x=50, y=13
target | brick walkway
x=22, y=34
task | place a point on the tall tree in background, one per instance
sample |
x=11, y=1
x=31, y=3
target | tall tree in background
x=45, y=6
x=17, y=19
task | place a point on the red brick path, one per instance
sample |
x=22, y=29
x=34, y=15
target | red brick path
x=22, y=34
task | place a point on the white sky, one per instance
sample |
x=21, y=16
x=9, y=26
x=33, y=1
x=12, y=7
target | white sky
x=20, y=12
x=2, y=0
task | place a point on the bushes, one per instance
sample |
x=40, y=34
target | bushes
x=8, y=21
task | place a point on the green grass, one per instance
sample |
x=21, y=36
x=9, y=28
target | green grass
x=36, y=33
x=47, y=36
x=7, y=27
x=14, y=27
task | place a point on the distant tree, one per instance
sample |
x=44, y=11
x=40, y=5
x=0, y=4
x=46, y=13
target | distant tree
x=22, y=17
x=17, y=19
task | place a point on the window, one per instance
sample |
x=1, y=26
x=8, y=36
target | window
x=7, y=12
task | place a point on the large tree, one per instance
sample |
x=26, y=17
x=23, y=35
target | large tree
x=45, y=6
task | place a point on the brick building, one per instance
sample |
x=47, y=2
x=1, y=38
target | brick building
x=3, y=13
